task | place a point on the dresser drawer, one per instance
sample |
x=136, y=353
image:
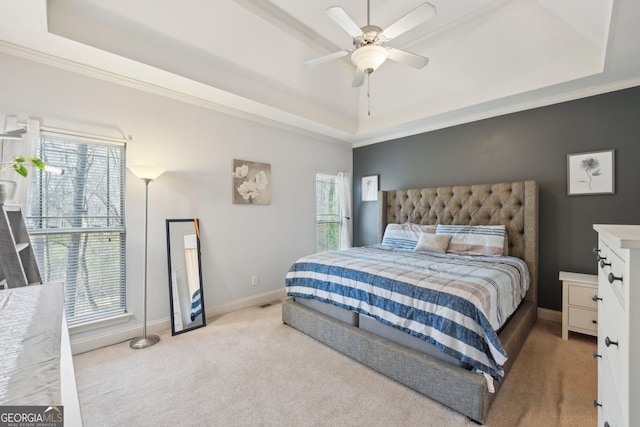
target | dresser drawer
x=612, y=271
x=610, y=410
x=583, y=318
x=619, y=322
x=612, y=327
x=582, y=296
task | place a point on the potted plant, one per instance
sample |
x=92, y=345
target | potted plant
x=19, y=165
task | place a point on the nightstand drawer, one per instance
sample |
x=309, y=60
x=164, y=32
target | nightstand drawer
x=583, y=319
x=579, y=310
x=582, y=296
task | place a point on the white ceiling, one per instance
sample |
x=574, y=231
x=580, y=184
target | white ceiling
x=245, y=57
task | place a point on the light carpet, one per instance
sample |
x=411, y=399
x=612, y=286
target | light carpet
x=247, y=368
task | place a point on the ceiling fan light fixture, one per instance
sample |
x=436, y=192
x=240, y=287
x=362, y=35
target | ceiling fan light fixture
x=368, y=58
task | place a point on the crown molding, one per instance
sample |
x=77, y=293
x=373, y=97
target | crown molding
x=270, y=116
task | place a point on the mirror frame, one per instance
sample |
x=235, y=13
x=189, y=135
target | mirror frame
x=196, y=224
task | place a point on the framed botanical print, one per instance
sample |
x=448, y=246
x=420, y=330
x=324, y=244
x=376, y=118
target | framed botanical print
x=370, y=188
x=591, y=173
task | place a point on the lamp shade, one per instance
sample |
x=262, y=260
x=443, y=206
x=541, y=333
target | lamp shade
x=146, y=171
x=368, y=58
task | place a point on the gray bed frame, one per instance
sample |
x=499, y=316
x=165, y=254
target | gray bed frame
x=513, y=204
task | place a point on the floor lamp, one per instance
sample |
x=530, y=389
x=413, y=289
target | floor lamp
x=147, y=174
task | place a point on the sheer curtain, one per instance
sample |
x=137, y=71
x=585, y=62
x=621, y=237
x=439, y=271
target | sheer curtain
x=344, y=195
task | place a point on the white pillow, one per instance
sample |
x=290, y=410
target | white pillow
x=437, y=243
x=475, y=239
x=405, y=236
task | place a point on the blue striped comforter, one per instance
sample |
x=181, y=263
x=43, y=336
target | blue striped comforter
x=196, y=305
x=455, y=302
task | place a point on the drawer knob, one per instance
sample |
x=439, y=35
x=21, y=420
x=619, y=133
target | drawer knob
x=613, y=278
x=596, y=355
x=606, y=424
x=603, y=264
x=595, y=322
x=599, y=258
x=596, y=252
x=608, y=342
x=596, y=298
x=596, y=404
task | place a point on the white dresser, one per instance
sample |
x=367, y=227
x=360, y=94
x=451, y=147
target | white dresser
x=618, y=352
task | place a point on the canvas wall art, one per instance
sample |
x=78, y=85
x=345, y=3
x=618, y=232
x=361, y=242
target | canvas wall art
x=251, y=183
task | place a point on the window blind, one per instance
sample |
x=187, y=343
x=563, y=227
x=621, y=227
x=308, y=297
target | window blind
x=76, y=224
x=327, y=213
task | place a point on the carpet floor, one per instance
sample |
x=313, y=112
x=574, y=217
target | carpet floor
x=247, y=368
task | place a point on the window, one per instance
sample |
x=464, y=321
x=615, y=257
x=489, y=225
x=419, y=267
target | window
x=327, y=213
x=76, y=224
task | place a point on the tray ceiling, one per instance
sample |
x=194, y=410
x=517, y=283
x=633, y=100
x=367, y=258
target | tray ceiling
x=245, y=57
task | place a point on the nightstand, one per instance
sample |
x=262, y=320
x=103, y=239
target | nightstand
x=579, y=303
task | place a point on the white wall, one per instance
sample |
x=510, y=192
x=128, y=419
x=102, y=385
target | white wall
x=197, y=146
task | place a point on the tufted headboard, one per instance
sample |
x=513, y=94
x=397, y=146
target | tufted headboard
x=514, y=204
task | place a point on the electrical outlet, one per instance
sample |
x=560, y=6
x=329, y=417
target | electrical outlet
x=254, y=280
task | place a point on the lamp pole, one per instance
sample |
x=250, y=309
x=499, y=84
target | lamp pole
x=146, y=175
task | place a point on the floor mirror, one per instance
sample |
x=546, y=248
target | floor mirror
x=185, y=275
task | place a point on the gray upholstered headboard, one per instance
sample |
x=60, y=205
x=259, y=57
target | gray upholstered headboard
x=514, y=204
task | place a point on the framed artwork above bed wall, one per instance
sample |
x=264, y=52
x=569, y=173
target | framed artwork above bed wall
x=591, y=173
x=369, y=188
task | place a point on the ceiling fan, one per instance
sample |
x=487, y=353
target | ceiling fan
x=368, y=51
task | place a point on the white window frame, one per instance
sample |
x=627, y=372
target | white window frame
x=106, y=227
x=325, y=219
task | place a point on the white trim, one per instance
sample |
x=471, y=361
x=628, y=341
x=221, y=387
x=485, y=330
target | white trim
x=162, y=325
x=258, y=299
x=114, y=337
x=215, y=99
x=551, y=315
x=202, y=96
x=543, y=101
x=100, y=323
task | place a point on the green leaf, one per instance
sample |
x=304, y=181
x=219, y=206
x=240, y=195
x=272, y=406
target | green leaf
x=21, y=170
x=37, y=162
x=18, y=159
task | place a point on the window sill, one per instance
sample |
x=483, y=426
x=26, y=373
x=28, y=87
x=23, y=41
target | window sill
x=101, y=323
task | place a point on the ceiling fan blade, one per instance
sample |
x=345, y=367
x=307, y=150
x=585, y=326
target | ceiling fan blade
x=414, y=18
x=407, y=58
x=358, y=78
x=341, y=18
x=326, y=58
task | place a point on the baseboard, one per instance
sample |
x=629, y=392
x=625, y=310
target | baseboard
x=239, y=304
x=547, y=314
x=113, y=337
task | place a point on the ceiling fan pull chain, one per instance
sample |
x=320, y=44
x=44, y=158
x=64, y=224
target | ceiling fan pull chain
x=369, y=93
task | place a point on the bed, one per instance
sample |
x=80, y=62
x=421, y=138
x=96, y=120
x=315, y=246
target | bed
x=35, y=356
x=404, y=353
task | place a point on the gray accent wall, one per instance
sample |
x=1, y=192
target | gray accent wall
x=532, y=144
